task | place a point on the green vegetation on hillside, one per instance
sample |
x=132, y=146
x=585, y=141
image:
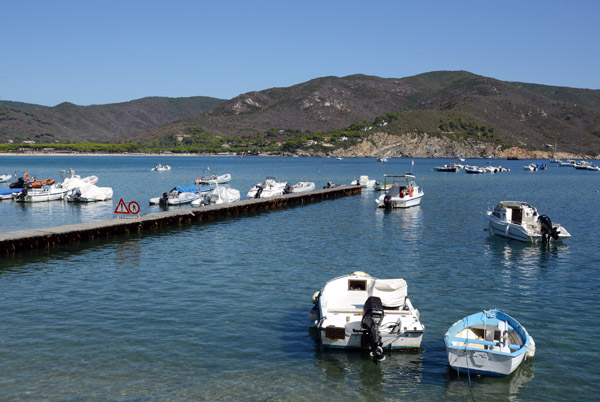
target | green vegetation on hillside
x=195, y=139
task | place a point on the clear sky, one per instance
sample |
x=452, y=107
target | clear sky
x=97, y=52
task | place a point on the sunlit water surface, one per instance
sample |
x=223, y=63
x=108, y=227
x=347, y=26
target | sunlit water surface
x=218, y=311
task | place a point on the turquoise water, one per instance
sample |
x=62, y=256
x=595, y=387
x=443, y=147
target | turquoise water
x=219, y=311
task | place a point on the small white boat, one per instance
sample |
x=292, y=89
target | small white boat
x=179, y=195
x=364, y=182
x=474, y=170
x=7, y=194
x=568, y=163
x=447, y=168
x=53, y=193
x=490, y=343
x=269, y=188
x=404, y=192
x=160, y=168
x=303, y=186
x=220, y=195
x=5, y=178
x=90, y=193
x=359, y=311
x=520, y=221
x=89, y=179
x=534, y=167
x=214, y=179
x=382, y=159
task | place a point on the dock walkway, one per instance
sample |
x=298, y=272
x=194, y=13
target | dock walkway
x=33, y=239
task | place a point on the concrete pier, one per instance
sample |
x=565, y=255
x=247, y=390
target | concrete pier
x=33, y=239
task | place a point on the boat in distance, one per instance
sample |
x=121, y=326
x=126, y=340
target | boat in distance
x=403, y=193
x=489, y=343
x=519, y=220
x=358, y=311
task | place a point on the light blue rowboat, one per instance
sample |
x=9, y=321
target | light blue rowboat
x=490, y=343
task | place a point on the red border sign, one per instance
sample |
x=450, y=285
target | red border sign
x=134, y=208
x=122, y=208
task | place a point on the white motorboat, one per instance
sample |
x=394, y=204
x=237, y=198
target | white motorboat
x=7, y=194
x=178, y=196
x=220, y=195
x=89, y=179
x=303, y=186
x=5, y=178
x=269, y=188
x=404, y=192
x=447, y=168
x=360, y=311
x=52, y=193
x=534, y=167
x=364, y=182
x=90, y=193
x=382, y=159
x=568, y=163
x=520, y=221
x=214, y=179
x=490, y=343
x=160, y=168
x=474, y=170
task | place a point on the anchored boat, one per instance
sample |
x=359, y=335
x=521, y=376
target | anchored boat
x=403, y=193
x=360, y=311
x=490, y=343
x=520, y=221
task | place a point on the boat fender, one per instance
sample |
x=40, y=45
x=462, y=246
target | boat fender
x=402, y=195
x=531, y=349
x=410, y=191
x=315, y=297
x=26, y=176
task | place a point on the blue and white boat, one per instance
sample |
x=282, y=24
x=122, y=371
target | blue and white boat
x=7, y=194
x=359, y=311
x=490, y=343
x=181, y=195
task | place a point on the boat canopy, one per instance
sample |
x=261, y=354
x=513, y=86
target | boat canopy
x=392, y=292
x=190, y=188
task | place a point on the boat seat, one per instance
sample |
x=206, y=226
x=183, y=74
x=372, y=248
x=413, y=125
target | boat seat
x=481, y=342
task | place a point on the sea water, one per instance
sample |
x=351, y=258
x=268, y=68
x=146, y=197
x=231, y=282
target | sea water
x=219, y=311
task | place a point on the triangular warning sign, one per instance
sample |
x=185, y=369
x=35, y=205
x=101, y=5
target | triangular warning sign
x=122, y=208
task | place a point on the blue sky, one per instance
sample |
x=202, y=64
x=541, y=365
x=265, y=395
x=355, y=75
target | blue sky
x=98, y=52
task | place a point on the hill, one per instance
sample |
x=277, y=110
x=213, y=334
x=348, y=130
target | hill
x=453, y=106
x=67, y=122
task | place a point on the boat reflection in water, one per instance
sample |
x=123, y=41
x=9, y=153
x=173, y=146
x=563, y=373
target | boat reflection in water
x=524, y=256
x=400, y=373
x=488, y=388
x=405, y=222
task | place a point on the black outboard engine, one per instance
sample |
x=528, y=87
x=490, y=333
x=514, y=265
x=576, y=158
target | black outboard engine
x=258, y=192
x=372, y=318
x=387, y=201
x=164, y=200
x=21, y=196
x=76, y=194
x=547, y=229
x=206, y=199
x=20, y=183
x=287, y=189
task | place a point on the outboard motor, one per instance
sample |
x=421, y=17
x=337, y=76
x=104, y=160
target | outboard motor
x=76, y=194
x=387, y=201
x=258, y=192
x=206, y=199
x=20, y=183
x=21, y=196
x=372, y=318
x=287, y=189
x=547, y=229
x=164, y=200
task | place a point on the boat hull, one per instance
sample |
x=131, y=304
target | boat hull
x=480, y=362
x=398, y=202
